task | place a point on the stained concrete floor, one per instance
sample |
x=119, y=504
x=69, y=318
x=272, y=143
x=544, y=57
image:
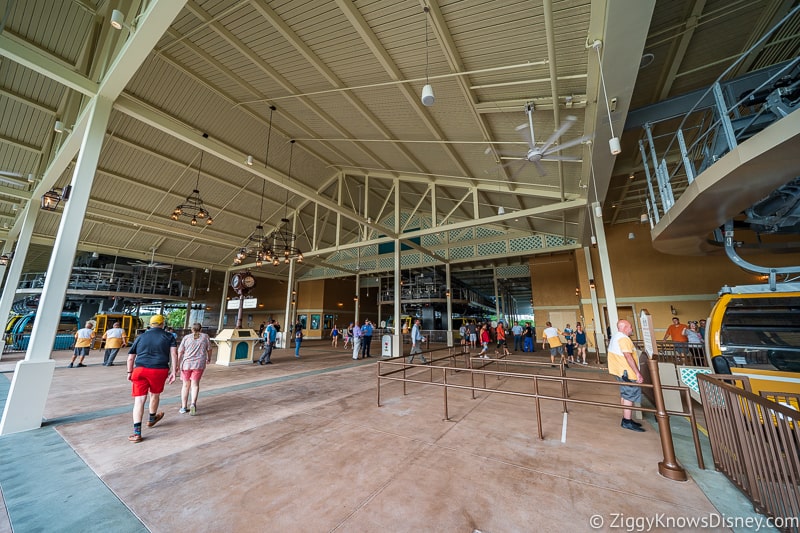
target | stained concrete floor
x=301, y=445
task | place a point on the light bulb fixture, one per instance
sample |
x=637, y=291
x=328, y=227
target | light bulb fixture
x=613, y=143
x=631, y=236
x=31, y=178
x=355, y=298
x=427, y=90
x=577, y=291
x=447, y=293
x=249, y=161
x=644, y=219
x=118, y=21
x=51, y=198
x=501, y=210
x=598, y=211
x=193, y=208
x=673, y=310
x=59, y=127
x=591, y=284
x=593, y=239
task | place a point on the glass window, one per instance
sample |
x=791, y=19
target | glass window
x=314, y=321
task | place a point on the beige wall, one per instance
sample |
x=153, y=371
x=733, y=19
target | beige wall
x=646, y=278
x=553, y=282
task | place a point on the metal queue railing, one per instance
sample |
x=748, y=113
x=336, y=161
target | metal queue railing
x=755, y=442
x=396, y=369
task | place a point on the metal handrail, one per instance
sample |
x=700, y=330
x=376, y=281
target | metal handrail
x=755, y=442
x=398, y=367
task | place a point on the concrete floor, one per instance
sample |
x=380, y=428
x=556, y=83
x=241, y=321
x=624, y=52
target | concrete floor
x=301, y=445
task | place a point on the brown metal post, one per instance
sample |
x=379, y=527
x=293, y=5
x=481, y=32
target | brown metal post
x=563, y=386
x=669, y=467
x=698, y=450
x=538, y=407
x=444, y=381
x=378, y=366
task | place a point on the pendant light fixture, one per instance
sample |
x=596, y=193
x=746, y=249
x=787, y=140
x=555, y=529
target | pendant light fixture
x=427, y=90
x=258, y=244
x=193, y=207
x=283, y=240
x=613, y=142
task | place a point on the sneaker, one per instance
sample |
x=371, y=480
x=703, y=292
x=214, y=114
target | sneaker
x=156, y=420
x=424, y=361
x=630, y=424
x=80, y=365
x=135, y=438
x=192, y=410
x=634, y=422
x=183, y=410
x=69, y=365
x=267, y=362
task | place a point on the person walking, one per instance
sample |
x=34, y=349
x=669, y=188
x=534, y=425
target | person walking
x=500, y=334
x=348, y=336
x=335, y=337
x=357, y=334
x=568, y=333
x=270, y=336
x=485, y=340
x=193, y=355
x=152, y=362
x=623, y=365
x=550, y=337
x=580, y=343
x=366, y=338
x=528, y=336
x=517, y=331
x=115, y=339
x=416, y=342
x=298, y=339
x=83, y=343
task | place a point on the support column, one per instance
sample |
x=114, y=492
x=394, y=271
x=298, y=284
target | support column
x=223, y=303
x=288, y=323
x=496, y=295
x=605, y=268
x=358, y=299
x=449, y=327
x=15, y=266
x=33, y=376
x=397, y=337
x=599, y=346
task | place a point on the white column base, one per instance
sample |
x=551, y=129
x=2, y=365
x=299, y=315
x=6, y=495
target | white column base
x=28, y=396
x=2, y=347
x=397, y=345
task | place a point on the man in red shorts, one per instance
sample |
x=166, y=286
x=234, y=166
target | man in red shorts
x=152, y=361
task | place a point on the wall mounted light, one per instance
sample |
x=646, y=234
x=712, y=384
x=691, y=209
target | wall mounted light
x=447, y=293
x=673, y=310
x=59, y=127
x=577, y=291
x=591, y=284
x=118, y=21
x=5, y=258
x=631, y=236
x=501, y=210
x=31, y=178
x=355, y=298
x=249, y=161
x=51, y=198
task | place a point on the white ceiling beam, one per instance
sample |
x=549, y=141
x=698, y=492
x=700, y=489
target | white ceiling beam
x=21, y=52
x=169, y=125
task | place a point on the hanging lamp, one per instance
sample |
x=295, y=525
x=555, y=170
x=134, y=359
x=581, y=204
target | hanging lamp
x=193, y=208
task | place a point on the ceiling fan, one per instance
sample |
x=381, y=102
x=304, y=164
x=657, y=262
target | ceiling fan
x=152, y=264
x=547, y=151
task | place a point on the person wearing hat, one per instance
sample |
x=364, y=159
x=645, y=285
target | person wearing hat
x=152, y=361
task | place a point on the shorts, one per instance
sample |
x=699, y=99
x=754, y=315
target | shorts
x=485, y=346
x=555, y=351
x=146, y=380
x=501, y=342
x=629, y=392
x=473, y=337
x=82, y=351
x=681, y=347
x=192, y=375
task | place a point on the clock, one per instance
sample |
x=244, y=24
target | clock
x=243, y=281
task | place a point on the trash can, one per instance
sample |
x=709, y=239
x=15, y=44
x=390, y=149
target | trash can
x=386, y=346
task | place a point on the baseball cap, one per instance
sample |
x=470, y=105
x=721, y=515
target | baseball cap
x=157, y=320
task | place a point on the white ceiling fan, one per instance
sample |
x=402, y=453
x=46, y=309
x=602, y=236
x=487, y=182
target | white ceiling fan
x=547, y=151
x=152, y=264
